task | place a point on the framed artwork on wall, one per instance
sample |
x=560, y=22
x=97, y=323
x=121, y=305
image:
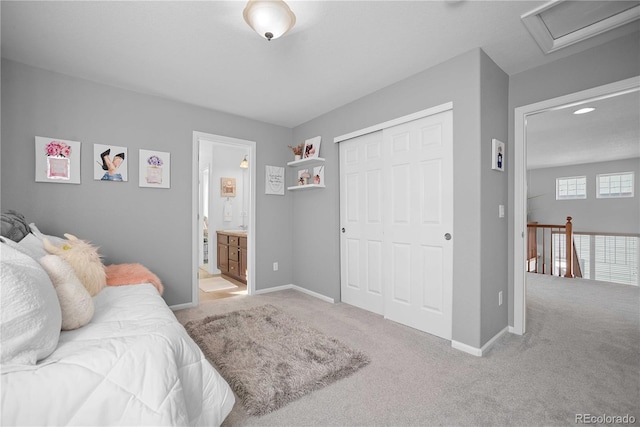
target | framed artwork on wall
x=274, y=180
x=154, y=169
x=57, y=160
x=227, y=187
x=110, y=163
x=497, y=155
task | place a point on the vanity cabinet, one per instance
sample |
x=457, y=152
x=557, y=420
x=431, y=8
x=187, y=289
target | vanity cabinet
x=232, y=255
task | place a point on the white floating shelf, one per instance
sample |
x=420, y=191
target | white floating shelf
x=305, y=187
x=306, y=161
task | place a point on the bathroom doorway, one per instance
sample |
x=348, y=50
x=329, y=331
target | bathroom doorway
x=224, y=217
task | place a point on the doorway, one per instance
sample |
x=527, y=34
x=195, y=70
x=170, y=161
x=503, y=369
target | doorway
x=520, y=180
x=223, y=201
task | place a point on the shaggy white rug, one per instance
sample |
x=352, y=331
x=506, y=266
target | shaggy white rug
x=270, y=358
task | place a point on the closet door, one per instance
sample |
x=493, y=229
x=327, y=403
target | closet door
x=396, y=213
x=418, y=247
x=361, y=218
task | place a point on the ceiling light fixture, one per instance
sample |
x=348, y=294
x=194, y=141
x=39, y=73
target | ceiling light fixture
x=269, y=18
x=584, y=110
x=244, y=164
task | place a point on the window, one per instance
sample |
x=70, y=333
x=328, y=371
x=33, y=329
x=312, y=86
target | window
x=614, y=185
x=572, y=187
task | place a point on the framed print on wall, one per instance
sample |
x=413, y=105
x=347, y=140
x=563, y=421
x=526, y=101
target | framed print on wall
x=227, y=187
x=155, y=169
x=57, y=160
x=497, y=155
x=110, y=163
x=274, y=180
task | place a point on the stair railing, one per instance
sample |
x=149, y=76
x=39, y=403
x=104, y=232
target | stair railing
x=538, y=264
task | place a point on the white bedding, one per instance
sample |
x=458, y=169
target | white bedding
x=134, y=364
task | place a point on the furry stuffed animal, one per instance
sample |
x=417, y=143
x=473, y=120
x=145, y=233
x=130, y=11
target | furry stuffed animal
x=84, y=260
x=76, y=304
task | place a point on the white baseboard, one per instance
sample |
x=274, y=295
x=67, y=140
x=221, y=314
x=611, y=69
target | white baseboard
x=466, y=348
x=478, y=351
x=182, y=306
x=295, y=288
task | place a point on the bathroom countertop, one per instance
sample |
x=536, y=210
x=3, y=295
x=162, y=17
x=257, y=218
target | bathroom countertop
x=237, y=233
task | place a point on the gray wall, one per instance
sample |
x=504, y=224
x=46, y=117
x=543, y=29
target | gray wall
x=494, y=84
x=616, y=215
x=316, y=219
x=130, y=224
x=608, y=63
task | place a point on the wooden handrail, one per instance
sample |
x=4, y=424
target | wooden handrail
x=568, y=227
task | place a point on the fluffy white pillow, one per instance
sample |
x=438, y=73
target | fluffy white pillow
x=31, y=316
x=75, y=302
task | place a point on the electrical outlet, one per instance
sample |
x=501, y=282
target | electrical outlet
x=500, y=298
x=275, y=266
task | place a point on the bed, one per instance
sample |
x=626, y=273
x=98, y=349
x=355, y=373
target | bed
x=133, y=364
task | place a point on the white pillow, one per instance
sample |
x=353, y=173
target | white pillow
x=31, y=316
x=76, y=303
x=34, y=245
x=33, y=242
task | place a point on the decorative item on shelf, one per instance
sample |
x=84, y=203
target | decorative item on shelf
x=297, y=151
x=303, y=176
x=318, y=175
x=312, y=148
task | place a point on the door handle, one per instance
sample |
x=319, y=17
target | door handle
x=447, y=236
x=343, y=230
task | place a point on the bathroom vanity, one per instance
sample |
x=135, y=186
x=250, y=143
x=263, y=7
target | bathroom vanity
x=232, y=254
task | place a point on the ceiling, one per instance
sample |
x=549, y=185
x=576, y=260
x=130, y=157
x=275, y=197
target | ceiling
x=203, y=53
x=561, y=138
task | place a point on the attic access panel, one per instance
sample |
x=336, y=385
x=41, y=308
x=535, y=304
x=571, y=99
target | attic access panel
x=561, y=23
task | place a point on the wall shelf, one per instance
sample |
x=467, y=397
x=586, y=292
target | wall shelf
x=308, y=164
x=305, y=187
x=308, y=161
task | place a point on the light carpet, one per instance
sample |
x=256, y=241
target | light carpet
x=270, y=358
x=581, y=354
x=212, y=284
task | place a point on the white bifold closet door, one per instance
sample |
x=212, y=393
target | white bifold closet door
x=396, y=212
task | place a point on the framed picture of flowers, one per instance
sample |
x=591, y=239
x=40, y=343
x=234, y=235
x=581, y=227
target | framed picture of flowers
x=155, y=169
x=57, y=160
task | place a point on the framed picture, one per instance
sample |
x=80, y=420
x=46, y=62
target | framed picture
x=497, y=155
x=57, y=160
x=227, y=187
x=274, y=180
x=311, y=148
x=110, y=163
x=155, y=169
